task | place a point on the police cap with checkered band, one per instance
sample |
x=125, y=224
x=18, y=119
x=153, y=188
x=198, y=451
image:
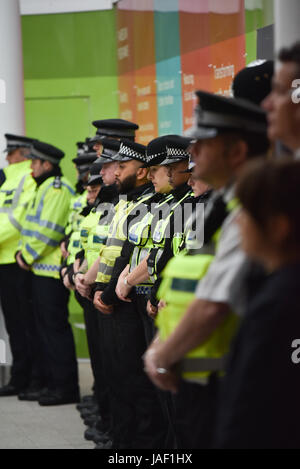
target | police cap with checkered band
x=177, y=149
x=131, y=151
x=156, y=151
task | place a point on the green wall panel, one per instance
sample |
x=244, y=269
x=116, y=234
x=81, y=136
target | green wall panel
x=259, y=13
x=251, y=46
x=70, y=77
x=50, y=122
x=69, y=45
x=61, y=111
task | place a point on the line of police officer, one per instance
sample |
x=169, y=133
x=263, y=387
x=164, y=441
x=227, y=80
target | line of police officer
x=127, y=243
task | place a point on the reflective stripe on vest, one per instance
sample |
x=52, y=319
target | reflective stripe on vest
x=74, y=247
x=159, y=237
x=16, y=197
x=41, y=237
x=36, y=218
x=116, y=237
x=140, y=235
x=162, y=225
x=178, y=293
x=14, y=203
x=45, y=267
x=195, y=365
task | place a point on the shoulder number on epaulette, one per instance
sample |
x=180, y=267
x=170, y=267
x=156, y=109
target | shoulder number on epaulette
x=57, y=183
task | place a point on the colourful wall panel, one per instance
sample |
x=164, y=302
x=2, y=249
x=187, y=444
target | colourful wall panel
x=146, y=104
x=197, y=74
x=168, y=67
x=228, y=58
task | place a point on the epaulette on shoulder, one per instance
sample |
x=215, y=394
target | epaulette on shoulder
x=57, y=183
x=2, y=177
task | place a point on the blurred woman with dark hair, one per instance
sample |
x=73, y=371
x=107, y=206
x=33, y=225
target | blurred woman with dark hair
x=259, y=402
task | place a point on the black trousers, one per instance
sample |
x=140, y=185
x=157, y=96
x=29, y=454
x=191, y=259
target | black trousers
x=94, y=337
x=195, y=412
x=50, y=299
x=165, y=398
x=138, y=420
x=140, y=302
x=15, y=295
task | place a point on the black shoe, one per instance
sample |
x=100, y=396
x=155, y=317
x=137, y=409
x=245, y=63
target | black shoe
x=32, y=394
x=107, y=445
x=59, y=398
x=87, y=399
x=103, y=425
x=102, y=438
x=88, y=412
x=86, y=402
x=91, y=421
x=91, y=433
x=85, y=405
x=9, y=390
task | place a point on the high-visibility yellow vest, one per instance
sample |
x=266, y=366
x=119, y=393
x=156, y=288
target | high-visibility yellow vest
x=74, y=246
x=91, y=235
x=16, y=193
x=177, y=289
x=44, y=227
x=77, y=204
x=140, y=235
x=161, y=233
x=92, y=243
x=117, y=235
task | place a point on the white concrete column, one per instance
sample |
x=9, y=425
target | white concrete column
x=286, y=23
x=11, y=73
x=11, y=92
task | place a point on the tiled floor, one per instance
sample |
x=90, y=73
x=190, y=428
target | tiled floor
x=26, y=425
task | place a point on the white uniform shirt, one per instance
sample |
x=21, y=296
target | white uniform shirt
x=224, y=281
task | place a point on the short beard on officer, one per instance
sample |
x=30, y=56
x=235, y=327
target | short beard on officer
x=127, y=185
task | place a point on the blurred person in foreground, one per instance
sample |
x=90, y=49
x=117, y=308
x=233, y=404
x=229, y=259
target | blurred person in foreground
x=259, y=399
x=283, y=103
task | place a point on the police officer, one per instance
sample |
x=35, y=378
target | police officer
x=140, y=234
x=107, y=130
x=159, y=153
x=282, y=104
x=41, y=234
x=85, y=157
x=137, y=416
x=227, y=133
x=93, y=234
x=167, y=232
x=17, y=188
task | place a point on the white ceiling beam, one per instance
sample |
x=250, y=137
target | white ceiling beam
x=43, y=7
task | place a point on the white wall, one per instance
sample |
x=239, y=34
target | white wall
x=40, y=7
x=286, y=23
x=11, y=73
